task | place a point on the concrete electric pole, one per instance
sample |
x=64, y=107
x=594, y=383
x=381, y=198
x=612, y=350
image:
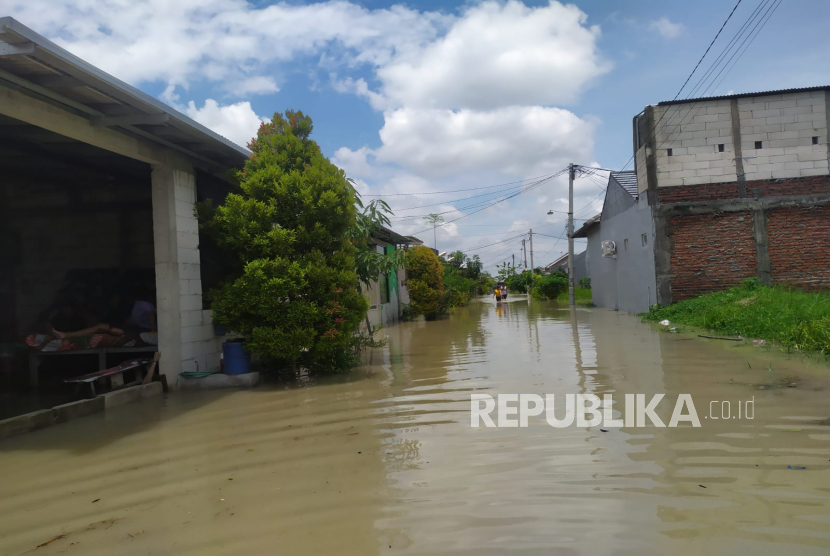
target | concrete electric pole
x=524, y=250
x=571, y=301
x=531, y=251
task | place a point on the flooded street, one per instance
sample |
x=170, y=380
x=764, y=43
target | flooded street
x=384, y=461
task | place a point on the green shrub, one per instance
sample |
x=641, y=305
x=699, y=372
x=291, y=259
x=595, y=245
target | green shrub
x=585, y=283
x=550, y=286
x=424, y=278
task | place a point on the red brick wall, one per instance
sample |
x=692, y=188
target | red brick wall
x=799, y=246
x=757, y=188
x=711, y=252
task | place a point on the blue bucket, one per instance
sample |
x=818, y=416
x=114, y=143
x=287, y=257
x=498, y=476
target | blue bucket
x=237, y=360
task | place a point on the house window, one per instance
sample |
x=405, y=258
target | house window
x=644, y=239
x=759, y=144
x=383, y=289
x=669, y=152
x=721, y=147
x=815, y=139
x=625, y=244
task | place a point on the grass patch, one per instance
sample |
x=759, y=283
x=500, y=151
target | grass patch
x=582, y=296
x=794, y=319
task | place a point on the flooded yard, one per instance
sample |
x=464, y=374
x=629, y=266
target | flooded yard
x=383, y=460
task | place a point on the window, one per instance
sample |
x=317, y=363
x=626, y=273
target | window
x=669, y=152
x=721, y=147
x=815, y=140
x=644, y=239
x=625, y=244
x=759, y=144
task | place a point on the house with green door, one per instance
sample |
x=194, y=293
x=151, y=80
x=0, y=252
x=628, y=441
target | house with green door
x=389, y=295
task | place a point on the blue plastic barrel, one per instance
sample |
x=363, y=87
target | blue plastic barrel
x=237, y=360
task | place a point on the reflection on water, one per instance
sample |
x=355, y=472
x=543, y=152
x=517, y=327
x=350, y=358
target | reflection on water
x=383, y=460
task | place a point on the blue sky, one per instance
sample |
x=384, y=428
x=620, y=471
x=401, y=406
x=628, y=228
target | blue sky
x=434, y=96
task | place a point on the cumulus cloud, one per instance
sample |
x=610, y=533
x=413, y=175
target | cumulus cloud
x=499, y=54
x=666, y=28
x=237, y=122
x=511, y=140
x=190, y=40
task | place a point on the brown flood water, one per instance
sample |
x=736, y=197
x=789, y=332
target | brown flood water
x=384, y=461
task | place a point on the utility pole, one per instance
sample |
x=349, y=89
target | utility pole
x=571, y=301
x=514, y=261
x=531, y=251
x=524, y=250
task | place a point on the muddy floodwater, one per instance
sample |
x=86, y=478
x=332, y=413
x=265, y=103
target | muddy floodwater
x=383, y=460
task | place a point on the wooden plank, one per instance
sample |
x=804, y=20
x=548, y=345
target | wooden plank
x=151, y=369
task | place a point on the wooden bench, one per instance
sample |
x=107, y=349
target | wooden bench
x=114, y=375
x=35, y=357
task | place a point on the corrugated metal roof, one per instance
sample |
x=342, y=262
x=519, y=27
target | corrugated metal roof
x=44, y=69
x=742, y=95
x=628, y=181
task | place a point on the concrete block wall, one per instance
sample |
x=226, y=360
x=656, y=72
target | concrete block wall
x=186, y=336
x=786, y=125
x=693, y=132
x=200, y=346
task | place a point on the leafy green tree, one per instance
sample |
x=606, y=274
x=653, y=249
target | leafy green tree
x=369, y=263
x=425, y=280
x=292, y=225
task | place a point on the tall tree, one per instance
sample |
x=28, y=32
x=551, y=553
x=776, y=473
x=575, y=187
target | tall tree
x=292, y=226
x=434, y=219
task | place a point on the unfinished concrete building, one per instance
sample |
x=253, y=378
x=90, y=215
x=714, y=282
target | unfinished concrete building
x=740, y=188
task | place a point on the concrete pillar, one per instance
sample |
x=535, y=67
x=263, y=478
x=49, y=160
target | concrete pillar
x=174, y=230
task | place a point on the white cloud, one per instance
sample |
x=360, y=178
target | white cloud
x=258, y=85
x=496, y=55
x=512, y=140
x=216, y=40
x=237, y=122
x=665, y=28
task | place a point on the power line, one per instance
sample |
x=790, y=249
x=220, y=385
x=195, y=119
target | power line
x=654, y=129
x=457, y=190
x=552, y=176
x=524, y=189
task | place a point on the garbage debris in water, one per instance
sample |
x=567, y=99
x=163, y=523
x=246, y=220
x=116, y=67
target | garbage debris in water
x=795, y=467
x=665, y=322
x=757, y=342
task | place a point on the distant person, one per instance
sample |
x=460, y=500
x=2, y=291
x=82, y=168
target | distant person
x=503, y=291
x=497, y=293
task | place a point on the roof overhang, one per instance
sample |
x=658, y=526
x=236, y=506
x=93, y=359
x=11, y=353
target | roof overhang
x=38, y=67
x=390, y=236
x=590, y=223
